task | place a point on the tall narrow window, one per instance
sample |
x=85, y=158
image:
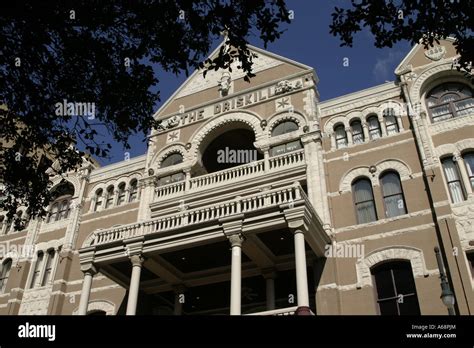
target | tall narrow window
x=470, y=260
x=453, y=180
x=364, y=201
x=392, y=195
x=8, y=226
x=121, y=193
x=396, y=291
x=133, y=190
x=357, y=132
x=49, y=267
x=37, y=271
x=53, y=213
x=98, y=199
x=4, y=274
x=390, y=121
x=341, y=136
x=374, y=127
x=2, y=222
x=110, y=197
x=469, y=162
x=64, y=209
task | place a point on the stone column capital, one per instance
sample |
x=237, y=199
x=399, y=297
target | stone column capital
x=89, y=269
x=137, y=260
x=236, y=239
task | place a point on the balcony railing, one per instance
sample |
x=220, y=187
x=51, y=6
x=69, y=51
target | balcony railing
x=233, y=174
x=208, y=213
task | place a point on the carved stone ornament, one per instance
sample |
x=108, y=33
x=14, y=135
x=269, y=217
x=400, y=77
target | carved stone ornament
x=224, y=83
x=435, y=53
x=286, y=86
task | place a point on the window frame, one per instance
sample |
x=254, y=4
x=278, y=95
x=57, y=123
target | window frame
x=284, y=123
x=459, y=179
x=450, y=104
x=133, y=191
x=470, y=176
x=378, y=128
x=354, y=135
x=5, y=271
x=362, y=178
x=337, y=127
x=402, y=193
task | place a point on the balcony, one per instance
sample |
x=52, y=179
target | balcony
x=289, y=196
x=243, y=172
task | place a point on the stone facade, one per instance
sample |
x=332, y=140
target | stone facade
x=125, y=220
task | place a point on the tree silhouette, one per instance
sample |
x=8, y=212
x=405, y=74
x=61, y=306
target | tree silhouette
x=103, y=54
x=391, y=21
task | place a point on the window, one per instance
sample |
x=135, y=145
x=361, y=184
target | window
x=285, y=148
x=470, y=260
x=374, y=127
x=121, y=193
x=133, y=190
x=64, y=209
x=37, y=271
x=60, y=207
x=8, y=226
x=364, y=201
x=171, y=160
x=98, y=199
x=169, y=179
x=453, y=180
x=392, y=195
x=390, y=121
x=2, y=222
x=284, y=127
x=357, y=132
x=341, y=136
x=469, y=162
x=396, y=291
x=449, y=100
x=49, y=267
x=109, y=201
x=4, y=274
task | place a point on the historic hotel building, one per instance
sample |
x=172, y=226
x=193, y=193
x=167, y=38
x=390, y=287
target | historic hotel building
x=258, y=198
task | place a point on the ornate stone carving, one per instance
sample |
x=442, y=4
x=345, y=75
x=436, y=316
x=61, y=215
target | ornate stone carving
x=224, y=83
x=286, y=86
x=35, y=301
x=435, y=53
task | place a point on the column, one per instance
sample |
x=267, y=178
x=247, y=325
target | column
x=349, y=135
x=236, y=277
x=266, y=159
x=301, y=274
x=462, y=170
x=137, y=262
x=187, y=182
x=365, y=129
x=89, y=270
x=383, y=126
x=270, y=289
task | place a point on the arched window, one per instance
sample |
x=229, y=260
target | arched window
x=341, y=136
x=35, y=279
x=392, y=191
x=390, y=121
x=171, y=160
x=133, y=190
x=374, y=127
x=396, y=291
x=98, y=199
x=364, y=201
x=109, y=200
x=60, y=207
x=284, y=127
x=357, y=132
x=48, y=267
x=4, y=274
x=469, y=162
x=96, y=312
x=449, y=100
x=121, y=193
x=453, y=180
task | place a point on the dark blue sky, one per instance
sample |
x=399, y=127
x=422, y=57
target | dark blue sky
x=307, y=40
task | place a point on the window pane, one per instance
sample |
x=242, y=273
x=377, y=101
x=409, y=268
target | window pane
x=384, y=283
x=366, y=212
x=452, y=177
x=363, y=191
x=469, y=162
x=374, y=127
x=284, y=127
x=172, y=160
x=464, y=107
x=441, y=113
x=357, y=132
x=391, y=124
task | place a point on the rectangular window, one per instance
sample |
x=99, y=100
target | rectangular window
x=469, y=162
x=391, y=124
x=4, y=274
x=453, y=180
x=49, y=267
x=37, y=271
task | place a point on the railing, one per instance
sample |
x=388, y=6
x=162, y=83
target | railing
x=232, y=174
x=281, y=311
x=251, y=203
